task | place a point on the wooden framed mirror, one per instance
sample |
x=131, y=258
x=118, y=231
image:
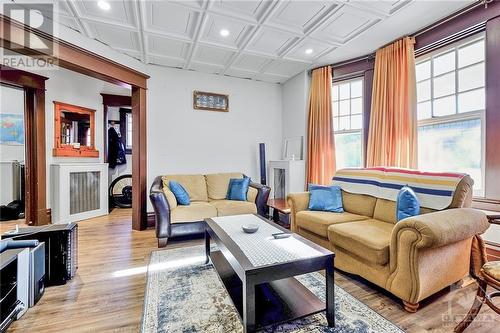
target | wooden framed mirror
x=74, y=131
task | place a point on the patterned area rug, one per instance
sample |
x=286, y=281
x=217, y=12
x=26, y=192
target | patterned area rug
x=183, y=294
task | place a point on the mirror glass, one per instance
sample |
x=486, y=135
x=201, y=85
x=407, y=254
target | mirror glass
x=75, y=129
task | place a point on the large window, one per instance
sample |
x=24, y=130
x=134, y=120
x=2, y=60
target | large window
x=450, y=109
x=347, y=104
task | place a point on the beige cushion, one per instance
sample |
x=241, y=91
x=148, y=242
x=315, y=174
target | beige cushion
x=252, y=194
x=195, y=185
x=196, y=211
x=492, y=269
x=367, y=239
x=218, y=183
x=318, y=222
x=233, y=207
x=172, y=201
x=385, y=210
x=359, y=204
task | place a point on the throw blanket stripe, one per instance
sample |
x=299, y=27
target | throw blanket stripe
x=394, y=186
x=434, y=190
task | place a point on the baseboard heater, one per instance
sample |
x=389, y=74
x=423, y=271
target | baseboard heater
x=79, y=191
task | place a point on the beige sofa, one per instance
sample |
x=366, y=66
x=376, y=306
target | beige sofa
x=413, y=258
x=207, y=194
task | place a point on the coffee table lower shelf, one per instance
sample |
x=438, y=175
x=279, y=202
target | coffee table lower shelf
x=275, y=302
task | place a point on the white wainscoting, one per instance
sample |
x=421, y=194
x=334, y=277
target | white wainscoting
x=79, y=191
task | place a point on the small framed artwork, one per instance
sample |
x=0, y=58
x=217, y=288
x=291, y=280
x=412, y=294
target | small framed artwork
x=210, y=101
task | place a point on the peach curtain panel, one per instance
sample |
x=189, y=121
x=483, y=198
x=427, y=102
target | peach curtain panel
x=392, y=136
x=320, y=144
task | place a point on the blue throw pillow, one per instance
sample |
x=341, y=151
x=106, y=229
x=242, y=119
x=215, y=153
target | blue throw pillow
x=407, y=203
x=238, y=188
x=325, y=198
x=179, y=192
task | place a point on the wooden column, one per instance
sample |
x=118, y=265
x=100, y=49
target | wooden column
x=139, y=160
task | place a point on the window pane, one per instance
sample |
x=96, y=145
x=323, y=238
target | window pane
x=471, y=54
x=471, y=77
x=453, y=146
x=444, y=63
x=335, y=123
x=344, y=90
x=344, y=107
x=424, y=110
x=344, y=123
x=471, y=100
x=335, y=92
x=444, y=85
x=348, y=151
x=444, y=106
x=424, y=91
x=356, y=105
x=356, y=88
x=357, y=121
x=423, y=70
x=335, y=108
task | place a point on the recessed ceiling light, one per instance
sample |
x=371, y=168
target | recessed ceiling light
x=104, y=5
x=224, y=32
x=309, y=51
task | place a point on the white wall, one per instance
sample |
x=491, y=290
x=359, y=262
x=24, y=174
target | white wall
x=74, y=88
x=183, y=140
x=295, y=104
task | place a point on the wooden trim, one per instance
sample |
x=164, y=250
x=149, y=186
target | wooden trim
x=123, y=128
x=21, y=79
x=110, y=100
x=139, y=206
x=67, y=150
x=74, y=58
x=69, y=55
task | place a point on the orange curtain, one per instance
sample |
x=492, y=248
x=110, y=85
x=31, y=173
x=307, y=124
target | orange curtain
x=392, y=138
x=320, y=144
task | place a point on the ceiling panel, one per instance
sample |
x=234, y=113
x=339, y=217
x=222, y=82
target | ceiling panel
x=215, y=23
x=271, y=42
x=114, y=36
x=298, y=16
x=170, y=18
x=268, y=40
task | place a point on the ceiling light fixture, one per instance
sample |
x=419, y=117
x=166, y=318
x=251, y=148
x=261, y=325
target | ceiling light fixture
x=309, y=51
x=104, y=5
x=224, y=32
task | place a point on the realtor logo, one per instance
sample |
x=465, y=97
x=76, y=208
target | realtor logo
x=23, y=47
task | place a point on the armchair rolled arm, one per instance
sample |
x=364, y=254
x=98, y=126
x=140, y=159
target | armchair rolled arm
x=297, y=202
x=442, y=227
x=161, y=209
x=261, y=199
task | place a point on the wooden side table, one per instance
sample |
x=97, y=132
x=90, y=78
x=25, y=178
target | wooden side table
x=281, y=212
x=492, y=250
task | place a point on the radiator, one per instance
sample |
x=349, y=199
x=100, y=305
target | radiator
x=80, y=191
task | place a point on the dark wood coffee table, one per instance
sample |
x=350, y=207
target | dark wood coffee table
x=258, y=271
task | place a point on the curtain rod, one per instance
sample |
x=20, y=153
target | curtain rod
x=416, y=34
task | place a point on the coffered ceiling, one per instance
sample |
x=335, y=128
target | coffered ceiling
x=266, y=40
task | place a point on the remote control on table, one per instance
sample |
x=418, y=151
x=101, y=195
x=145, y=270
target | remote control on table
x=281, y=235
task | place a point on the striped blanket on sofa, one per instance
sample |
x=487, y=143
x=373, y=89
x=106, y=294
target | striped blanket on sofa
x=434, y=189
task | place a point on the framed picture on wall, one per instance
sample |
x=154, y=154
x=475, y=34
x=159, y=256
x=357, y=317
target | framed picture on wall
x=210, y=101
x=293, y=148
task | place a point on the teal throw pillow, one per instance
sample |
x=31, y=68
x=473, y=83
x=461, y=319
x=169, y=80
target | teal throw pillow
x=238, y=188
x=179, y=192
x=407, y=203
x=325, y=198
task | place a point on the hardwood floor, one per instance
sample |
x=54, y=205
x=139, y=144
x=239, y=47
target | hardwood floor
x=108, y=292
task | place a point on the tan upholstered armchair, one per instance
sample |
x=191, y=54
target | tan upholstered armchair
x=413, y=258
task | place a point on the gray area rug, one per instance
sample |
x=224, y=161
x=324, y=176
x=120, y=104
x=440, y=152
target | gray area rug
x=183, y=294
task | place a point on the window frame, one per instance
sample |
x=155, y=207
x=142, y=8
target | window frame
x=351, y=131
x=458, y=116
